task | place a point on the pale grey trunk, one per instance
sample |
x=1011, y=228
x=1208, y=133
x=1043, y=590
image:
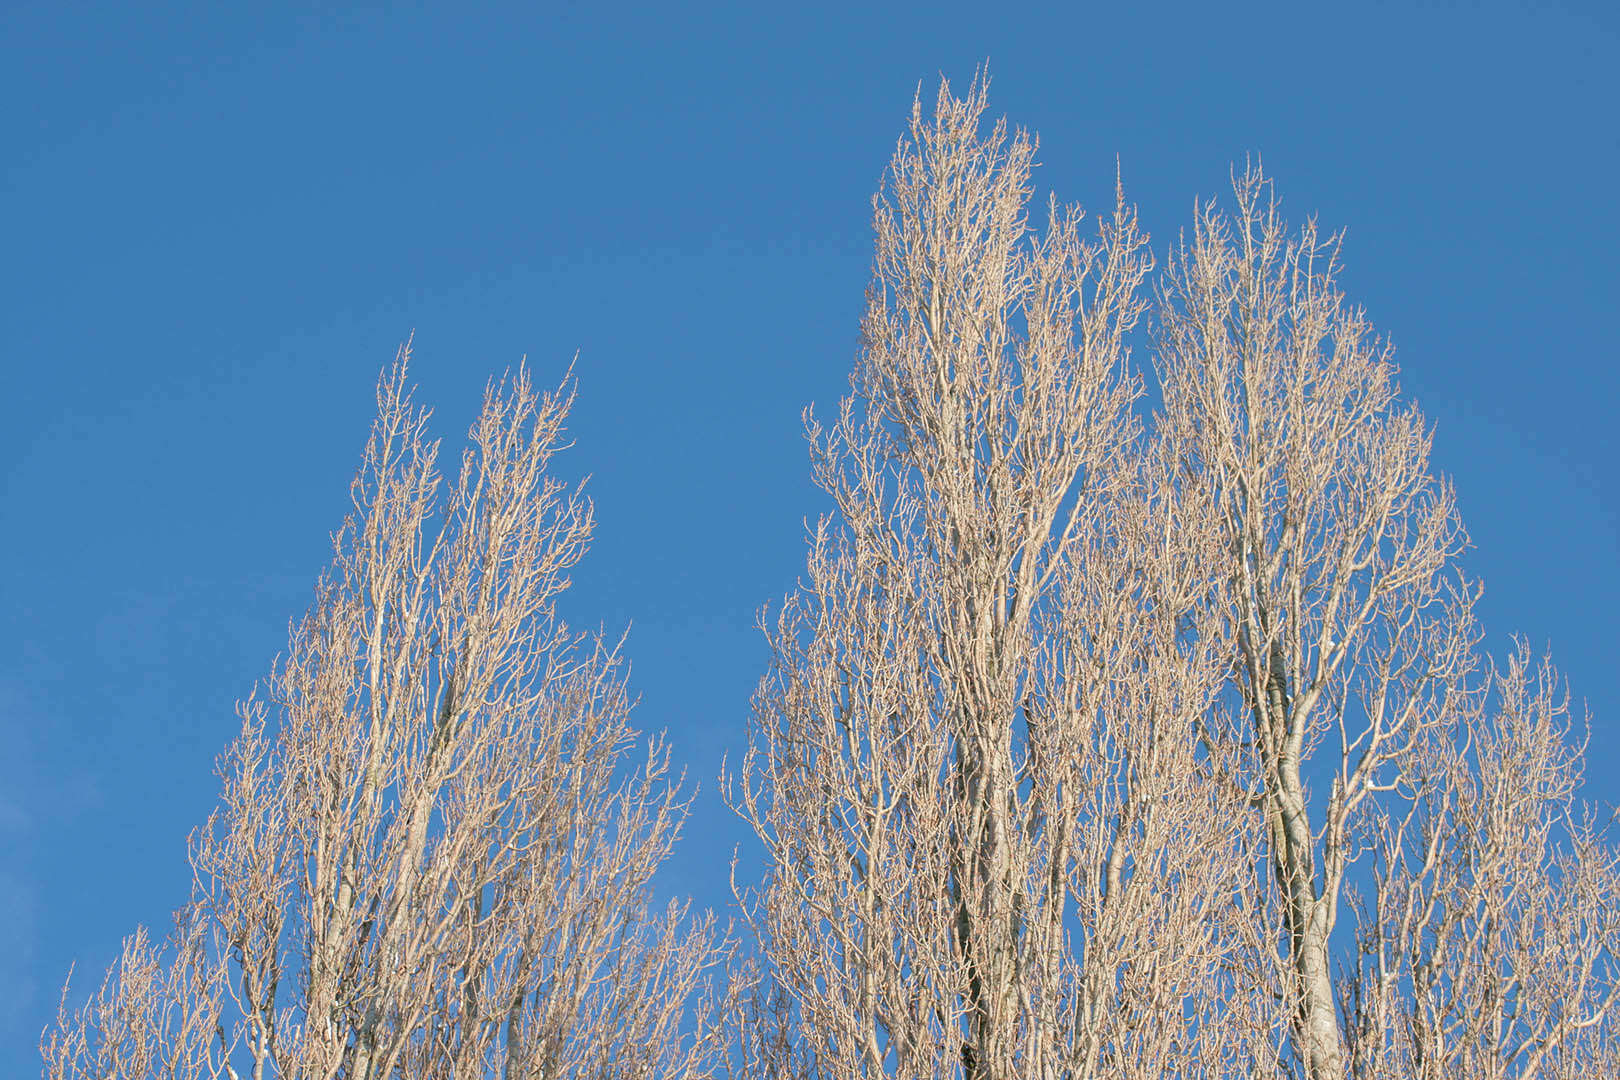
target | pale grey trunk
x=1308, y=916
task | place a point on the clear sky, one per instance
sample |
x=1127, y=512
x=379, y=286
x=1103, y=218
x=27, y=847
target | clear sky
x=218, y=221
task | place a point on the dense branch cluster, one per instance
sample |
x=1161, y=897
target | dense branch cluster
x=432, y=858
x=1088, y=725
x=1099, y=739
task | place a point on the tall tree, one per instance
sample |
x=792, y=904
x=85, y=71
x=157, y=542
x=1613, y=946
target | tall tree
x=432, y=857
x=995, y=848
x=1342, y=610
x=1076, y=731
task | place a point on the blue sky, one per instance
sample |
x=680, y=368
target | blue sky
x=218, y=222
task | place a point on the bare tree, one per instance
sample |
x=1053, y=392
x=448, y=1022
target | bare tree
x=1076, y=731
x=1078, y=735
x=1342, y=609
x=1490, y=946
x=995, y=845
x=157, y=1013
x=432, y=858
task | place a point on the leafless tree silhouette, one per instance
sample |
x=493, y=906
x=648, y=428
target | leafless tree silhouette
x=1078, y=724
x=432, y=858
